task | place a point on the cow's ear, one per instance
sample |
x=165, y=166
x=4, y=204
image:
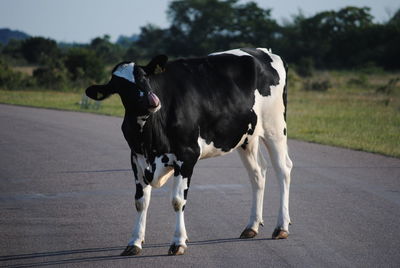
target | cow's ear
x=98, y=92
x=156, y=65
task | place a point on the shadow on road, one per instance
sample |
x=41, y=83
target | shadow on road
x=68, y=256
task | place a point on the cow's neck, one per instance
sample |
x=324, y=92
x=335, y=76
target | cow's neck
x=145, y=135
x=154, y=132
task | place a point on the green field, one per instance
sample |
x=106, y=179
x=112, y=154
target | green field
x=356, y=111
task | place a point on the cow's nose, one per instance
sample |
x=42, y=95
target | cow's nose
x=154, y=101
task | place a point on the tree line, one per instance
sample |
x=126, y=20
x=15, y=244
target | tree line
x=347, y=38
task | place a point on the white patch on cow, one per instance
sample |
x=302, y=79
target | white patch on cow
x=125, y=71
x=266, y=50
x=236, y=52
x=162, y=172
x=208, y=149
x=249, y=126
x=269, y=115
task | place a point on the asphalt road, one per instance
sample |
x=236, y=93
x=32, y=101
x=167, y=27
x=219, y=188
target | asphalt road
x=67, y=199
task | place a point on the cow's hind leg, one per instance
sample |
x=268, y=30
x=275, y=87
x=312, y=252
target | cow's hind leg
x=282, y=164
x=256, y=167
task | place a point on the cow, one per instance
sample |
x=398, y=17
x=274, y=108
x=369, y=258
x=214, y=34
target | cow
x=178, y=112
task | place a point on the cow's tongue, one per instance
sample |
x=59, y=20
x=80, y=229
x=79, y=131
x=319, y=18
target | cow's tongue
x=154, y=101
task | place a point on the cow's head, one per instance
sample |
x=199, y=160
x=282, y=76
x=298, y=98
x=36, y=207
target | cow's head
x=131, y=82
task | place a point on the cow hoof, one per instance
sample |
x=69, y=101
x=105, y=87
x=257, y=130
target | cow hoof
x=131, y=251
x=176, y=250
x=280, y=234
x=248, y=233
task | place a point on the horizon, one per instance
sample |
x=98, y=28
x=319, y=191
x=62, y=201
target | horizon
x=59, y=20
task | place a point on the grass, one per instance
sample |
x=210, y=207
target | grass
x=62, y=101
x=349, y=114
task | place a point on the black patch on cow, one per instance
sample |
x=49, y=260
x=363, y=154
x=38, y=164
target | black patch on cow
x=139, y=191
x=177, y=170
x=284, y=131
x=148, y=176
x=135, y=171
x=165, y=159
x=285, y=89
x=134, y=167
x=226, y=132
x=267, y=75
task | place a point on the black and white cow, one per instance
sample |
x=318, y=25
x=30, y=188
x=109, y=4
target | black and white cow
x=179, y=112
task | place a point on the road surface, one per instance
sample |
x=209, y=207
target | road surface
x=67, y=199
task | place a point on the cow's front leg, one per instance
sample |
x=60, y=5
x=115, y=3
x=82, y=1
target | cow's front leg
x=179, y=196
x=142, y=201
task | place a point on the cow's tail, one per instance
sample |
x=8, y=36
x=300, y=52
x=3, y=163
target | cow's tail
x=285, y=89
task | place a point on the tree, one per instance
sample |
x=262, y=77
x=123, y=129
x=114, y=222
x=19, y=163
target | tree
x=254, y=26
x=108, y=52
x=352, y=44
x=83, y=63
x=195, y=24
x=390, y=43
x=332, y=39
x=151, y=41
x=353, y=18
x=395, y=20
x=13, y=50
x=34, y=49
x=200, y=27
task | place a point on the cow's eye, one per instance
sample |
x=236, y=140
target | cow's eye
x=141, y=93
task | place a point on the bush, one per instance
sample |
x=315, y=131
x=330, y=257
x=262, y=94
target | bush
x=389, y=87
x=12, y=52
x=371, y=68
x=360, y=81
x=305, y=67
x=317, y=85
x=10, y=79
x=51, y=78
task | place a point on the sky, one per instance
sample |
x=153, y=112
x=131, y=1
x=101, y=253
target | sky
x=82, y=20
